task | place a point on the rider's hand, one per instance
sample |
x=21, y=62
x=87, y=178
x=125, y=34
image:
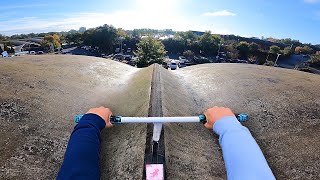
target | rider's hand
x=216, y=113
x=104, y=113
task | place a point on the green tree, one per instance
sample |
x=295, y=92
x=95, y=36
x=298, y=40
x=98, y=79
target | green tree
x=209, y=43
x=287, y=51
x=188, y=54
x=173, y=45
x=8, y=47
x=243, y=48
x=149, y=51
x=75, y=38
x=274, y=49
x=232, y=51
x=105, y=37
x=253, y=47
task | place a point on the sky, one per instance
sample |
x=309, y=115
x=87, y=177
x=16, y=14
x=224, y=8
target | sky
x=296, y=19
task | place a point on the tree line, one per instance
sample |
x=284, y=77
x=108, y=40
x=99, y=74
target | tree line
x=107, y=38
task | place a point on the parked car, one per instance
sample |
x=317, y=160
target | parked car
x=129, y=50
x=118, y=57
x=32, y=52
x=127, y=58
x=40, y=52
x=182, y=59
x=182, y=65
x=173, y=65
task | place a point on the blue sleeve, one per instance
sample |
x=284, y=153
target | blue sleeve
x=242, y=155
x=82, y=157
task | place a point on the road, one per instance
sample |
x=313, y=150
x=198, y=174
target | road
x=77, y=51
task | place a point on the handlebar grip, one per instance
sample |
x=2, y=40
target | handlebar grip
x=113, y=119
x=243, y=117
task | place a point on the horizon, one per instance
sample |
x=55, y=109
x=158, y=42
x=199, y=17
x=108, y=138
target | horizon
x=253, y=18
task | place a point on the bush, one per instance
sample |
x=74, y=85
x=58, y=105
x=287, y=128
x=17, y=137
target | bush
x=188, y=54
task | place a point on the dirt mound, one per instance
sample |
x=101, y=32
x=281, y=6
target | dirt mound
x=41, y=94
x=284, y=109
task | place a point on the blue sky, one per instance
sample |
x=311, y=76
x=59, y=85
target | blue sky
x=297, y=19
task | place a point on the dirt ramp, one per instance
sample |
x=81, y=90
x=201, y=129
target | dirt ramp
x=283, y=105
x=192, y=152
x=123, y=147
x=39, y=96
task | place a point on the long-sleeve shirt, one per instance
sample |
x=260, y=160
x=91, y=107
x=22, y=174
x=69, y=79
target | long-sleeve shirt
x=82, y=157
x=242, y=155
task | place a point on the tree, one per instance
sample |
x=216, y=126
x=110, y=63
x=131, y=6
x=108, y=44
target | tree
x=232, y=51
x=188, y=54
x=303, y=50
x=121, y=33
x=287, y=51
x=315, y=59
x=149, y=51
x=243, y=48
x=104, y=37
x=274, y=49
x=2, y=37
x=8, y=47
x=75, y=38
x=253, y=47
x=51, y=39
x=209, y=43
x=186, y=36
x=173, y=45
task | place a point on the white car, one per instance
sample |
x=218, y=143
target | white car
x=32, y=52
x=182, y=59
x=173, y=65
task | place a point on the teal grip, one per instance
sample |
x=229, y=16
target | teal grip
x=77, y=118
x=113, y=119
x=240, y=117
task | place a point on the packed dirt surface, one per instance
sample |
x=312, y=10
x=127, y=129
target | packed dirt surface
x=284, y=110
x=39, y=96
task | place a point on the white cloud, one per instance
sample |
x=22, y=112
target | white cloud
x=219, y=13
x=311, y=1
x=121, y=19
